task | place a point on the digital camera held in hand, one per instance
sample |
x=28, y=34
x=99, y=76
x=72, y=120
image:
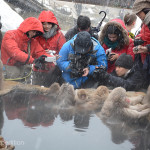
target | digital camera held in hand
x=78, y=62
x=138, y=42
x=135, y=49
x=98, y=72
x=108, y=52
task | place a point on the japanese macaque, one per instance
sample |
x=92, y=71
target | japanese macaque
x=117, y=105
x=91, y=99
x=1, y=75
x=3, y=145
x=146, y=99
x=66, y=96
x=52, y=91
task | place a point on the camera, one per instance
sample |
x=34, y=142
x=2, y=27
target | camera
x=135, y=50
x=76, y=73
x=138, y=42
x=97, y=71
x=78, y=63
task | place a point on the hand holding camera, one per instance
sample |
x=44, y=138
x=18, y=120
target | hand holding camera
x=100, y=73
x=38, y=63
x=140, y=49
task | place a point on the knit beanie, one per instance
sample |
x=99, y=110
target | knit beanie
x=124, y=61
x=140, y=5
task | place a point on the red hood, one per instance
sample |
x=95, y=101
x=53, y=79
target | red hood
x=120, y=21
x=31, y=23
x=48, y=16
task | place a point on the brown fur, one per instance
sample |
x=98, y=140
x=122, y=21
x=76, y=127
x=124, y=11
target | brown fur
x=66, y=96
x=119, y=26
x=146, y=99
x=91, y=99
x=3, y=145
x=117, y=105
x=52, y=91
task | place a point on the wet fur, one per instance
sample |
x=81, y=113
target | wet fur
x=117, y=105
x=66, y=96
x=91, y=99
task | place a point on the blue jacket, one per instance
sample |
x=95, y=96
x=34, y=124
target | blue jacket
x=63, y=62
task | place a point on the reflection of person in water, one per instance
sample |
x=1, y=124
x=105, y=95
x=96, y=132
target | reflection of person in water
x=31, y=108
x=1, y=115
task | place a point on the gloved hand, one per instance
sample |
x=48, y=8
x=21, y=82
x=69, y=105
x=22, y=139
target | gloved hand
x=100, y=74
x=38, y=63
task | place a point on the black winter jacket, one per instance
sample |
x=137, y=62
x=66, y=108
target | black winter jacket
x=73, y=31
x=133, y=81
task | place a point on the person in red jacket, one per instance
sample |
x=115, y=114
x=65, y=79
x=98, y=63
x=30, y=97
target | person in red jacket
x=142, y=10
x=115, y=41
x=19, y=48
x=52, y=39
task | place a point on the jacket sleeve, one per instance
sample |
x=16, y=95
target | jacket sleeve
x=9, y=42
x=130, y=84
x=63, y=62
x=70, y=33
x=100, y=57
x=37, y=49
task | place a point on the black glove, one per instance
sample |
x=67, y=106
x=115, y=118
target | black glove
x=100, y=74
x=39, y=62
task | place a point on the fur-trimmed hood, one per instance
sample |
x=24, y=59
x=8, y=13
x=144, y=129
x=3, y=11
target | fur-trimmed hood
x=120, y=25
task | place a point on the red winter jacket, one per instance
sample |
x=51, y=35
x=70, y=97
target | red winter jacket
x=126, y=49
x=145, y=36
x=55, y=42
x=128, y=42
x=14, y=43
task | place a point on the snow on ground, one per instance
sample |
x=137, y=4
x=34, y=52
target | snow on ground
x=9, y=18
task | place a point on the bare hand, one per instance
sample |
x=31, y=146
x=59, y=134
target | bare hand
x=141, y=49
x=57, y=57
x=113, y=57
x=86, y=72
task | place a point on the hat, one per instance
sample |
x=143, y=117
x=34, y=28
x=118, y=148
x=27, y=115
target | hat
x=124, y=61
x=82, y=42
x=139, y=5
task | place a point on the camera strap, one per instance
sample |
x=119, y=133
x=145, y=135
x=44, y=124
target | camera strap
x=29, y=51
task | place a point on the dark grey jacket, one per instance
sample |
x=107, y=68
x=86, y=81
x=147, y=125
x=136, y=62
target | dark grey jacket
x=73, y=31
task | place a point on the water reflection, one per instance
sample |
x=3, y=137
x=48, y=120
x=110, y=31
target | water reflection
x=64, y=128
x=30, y=108
x=1, y=115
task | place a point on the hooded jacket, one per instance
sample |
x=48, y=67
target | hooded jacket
x=127, y=42
x=64, y=63
x=15, y=42
x=56, y=41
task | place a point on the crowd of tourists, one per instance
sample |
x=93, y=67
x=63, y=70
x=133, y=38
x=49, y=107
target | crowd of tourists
x=114, y=57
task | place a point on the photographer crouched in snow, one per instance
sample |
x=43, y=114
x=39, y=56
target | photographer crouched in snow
x=125, y=75
x=20, y=49
x=79, y=57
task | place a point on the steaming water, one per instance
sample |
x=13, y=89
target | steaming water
x=30, y=122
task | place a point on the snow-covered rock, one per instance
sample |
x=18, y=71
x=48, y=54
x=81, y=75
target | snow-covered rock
x=9, y=18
